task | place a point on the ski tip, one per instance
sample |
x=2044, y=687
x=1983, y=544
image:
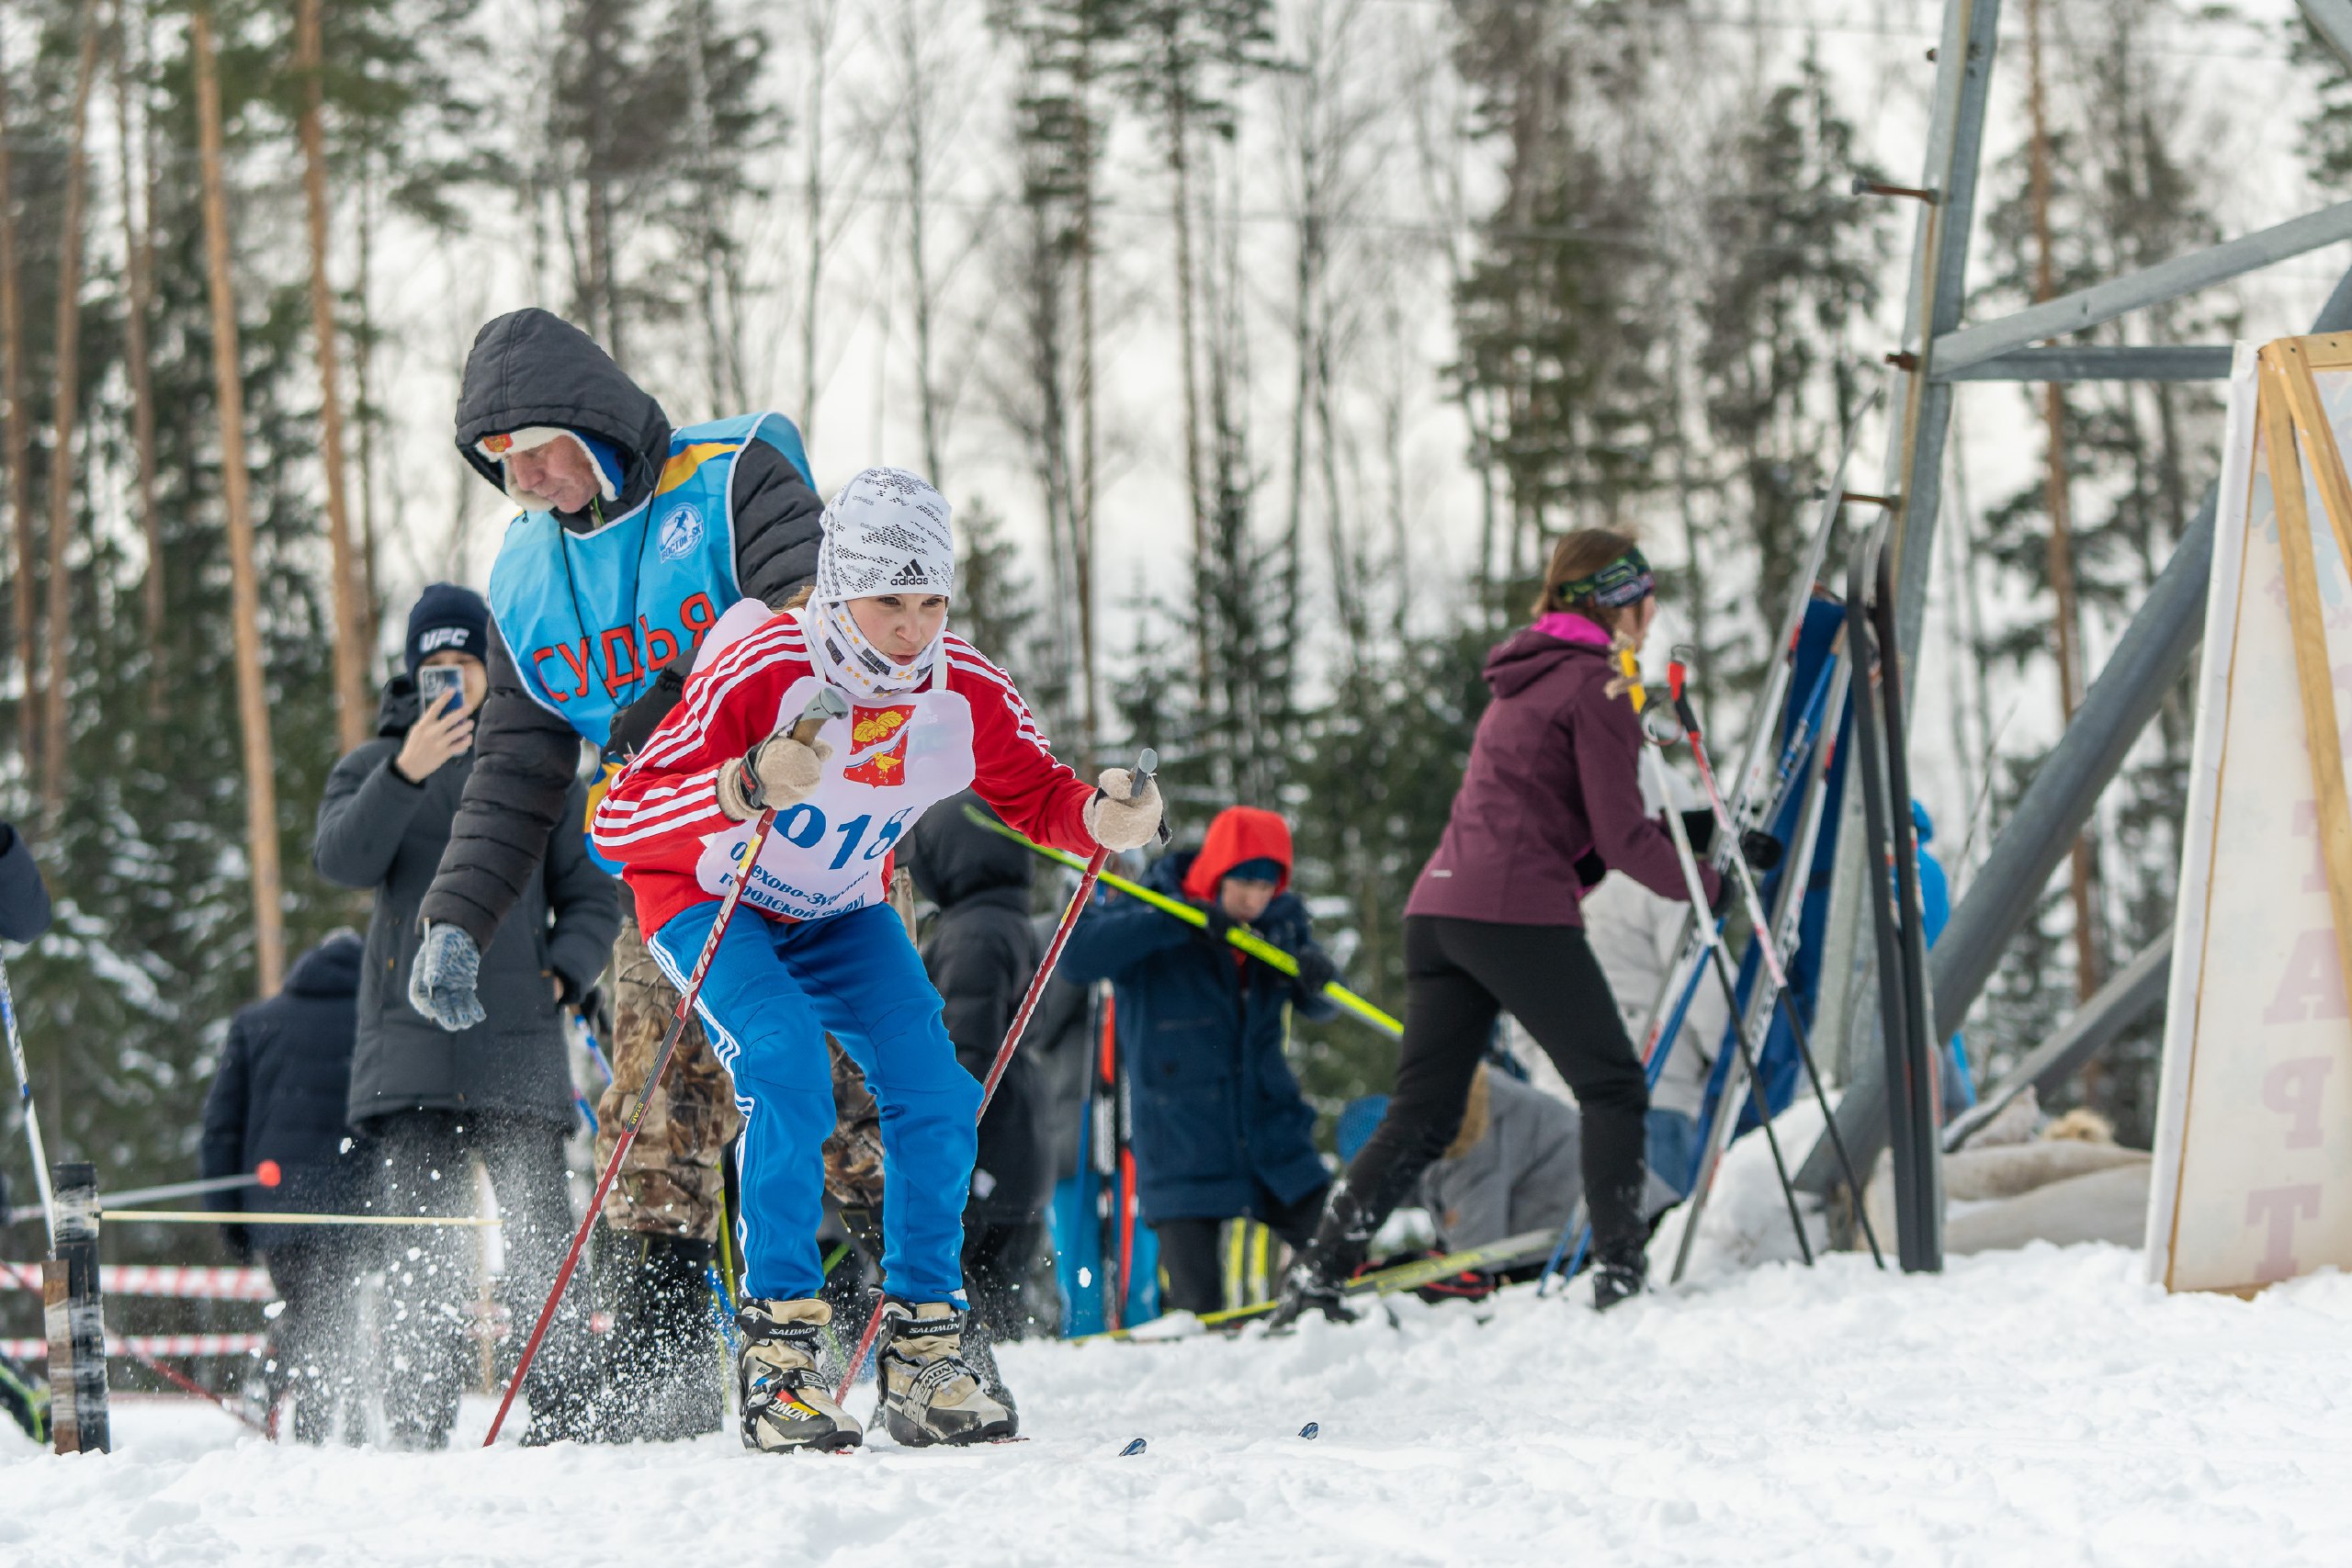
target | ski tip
x=1312, y=1430
x=1132, y=1448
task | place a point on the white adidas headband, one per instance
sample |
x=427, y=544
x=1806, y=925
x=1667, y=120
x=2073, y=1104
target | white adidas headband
x=887, y=531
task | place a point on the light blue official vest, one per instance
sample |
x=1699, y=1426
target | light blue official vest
x=591, y=618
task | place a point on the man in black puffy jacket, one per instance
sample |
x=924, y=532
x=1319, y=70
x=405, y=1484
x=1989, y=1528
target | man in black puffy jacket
x=501, y=1090
x=632, y=538
x=277, y=1098
x=981, y=954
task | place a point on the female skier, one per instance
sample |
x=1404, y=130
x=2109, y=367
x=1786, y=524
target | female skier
x=1493, y=921
x=928, y=716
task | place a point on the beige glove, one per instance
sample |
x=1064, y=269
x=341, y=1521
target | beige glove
x=786, y=772
x=1117, y=822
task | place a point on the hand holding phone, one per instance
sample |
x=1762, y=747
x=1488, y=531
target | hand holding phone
x=441, y=729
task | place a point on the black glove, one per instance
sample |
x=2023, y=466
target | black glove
x=596, y=1011
x=1760, y=851
x=1591, y=868
x=1316, y=971
x=1699, y=827
x=1219, y=921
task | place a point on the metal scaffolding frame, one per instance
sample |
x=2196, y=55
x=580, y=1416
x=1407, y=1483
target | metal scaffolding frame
x=1939, y=350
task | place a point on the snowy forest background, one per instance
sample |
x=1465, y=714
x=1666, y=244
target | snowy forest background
x=1295, y=329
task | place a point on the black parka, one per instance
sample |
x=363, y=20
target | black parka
x=24, y=897
x=981, y=953
x=376, y=829
x=278, y=1095
x=530, y=367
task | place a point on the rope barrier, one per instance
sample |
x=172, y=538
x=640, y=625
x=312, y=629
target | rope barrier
x=136, y=1345
x=240, y=1217
x=184, y=1281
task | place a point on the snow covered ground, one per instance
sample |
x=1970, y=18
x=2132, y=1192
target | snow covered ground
x=2042, y=1406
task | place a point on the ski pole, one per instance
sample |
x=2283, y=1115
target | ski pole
x=1677, y=674
x=1139, y=780
x=1731, y=1005
x=826, y=704
x=25, y=1103
x=1248, y=941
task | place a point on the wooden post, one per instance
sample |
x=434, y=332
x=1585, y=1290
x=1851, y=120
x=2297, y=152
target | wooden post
x=74, y=1317
x=18, y=437
x=355, y=714
x=252, y=711
x=56, y=730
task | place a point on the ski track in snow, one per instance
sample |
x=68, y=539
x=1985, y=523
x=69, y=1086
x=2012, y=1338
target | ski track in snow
x=2044, y=1406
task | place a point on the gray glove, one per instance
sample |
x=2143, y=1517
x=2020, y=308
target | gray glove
x=441, y=987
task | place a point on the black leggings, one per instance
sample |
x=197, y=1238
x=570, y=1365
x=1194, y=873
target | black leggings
x=1188, y=1250
x=1458, y=976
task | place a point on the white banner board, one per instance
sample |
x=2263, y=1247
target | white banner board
x=2252, y=1179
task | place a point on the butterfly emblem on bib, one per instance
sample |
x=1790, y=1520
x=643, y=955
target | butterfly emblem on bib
x=877, y=740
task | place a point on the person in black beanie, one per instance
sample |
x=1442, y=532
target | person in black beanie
x=502, y=1088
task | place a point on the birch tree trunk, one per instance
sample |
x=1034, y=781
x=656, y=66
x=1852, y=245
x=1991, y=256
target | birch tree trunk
x=253, y=710
x=56, y=728
x=355, y=714
x=18, y=436
x=139, y=263
x=1082, y=513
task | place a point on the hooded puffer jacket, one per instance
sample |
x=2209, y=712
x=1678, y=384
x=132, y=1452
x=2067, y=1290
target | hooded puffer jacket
x=378, y=830
x=529, y=368
x=1219, y=1121
x=278, y=1095
x=981, y=953
x=1553, y=777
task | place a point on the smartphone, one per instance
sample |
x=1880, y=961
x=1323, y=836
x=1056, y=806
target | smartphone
x=443, y=687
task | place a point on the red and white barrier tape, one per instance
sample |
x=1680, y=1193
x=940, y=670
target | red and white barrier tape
x=187, y=1281
x=150, y=1344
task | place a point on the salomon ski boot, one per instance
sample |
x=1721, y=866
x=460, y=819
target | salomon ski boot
x=788, y=1404
x=930, y=1393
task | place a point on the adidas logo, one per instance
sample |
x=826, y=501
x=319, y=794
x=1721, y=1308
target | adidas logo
x=909, y=575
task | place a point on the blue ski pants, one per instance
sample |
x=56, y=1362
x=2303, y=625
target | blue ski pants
x=775, y=990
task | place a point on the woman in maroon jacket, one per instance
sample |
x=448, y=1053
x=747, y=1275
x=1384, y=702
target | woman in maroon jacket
x=1493, y=923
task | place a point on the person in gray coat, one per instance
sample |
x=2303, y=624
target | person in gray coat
x=500, y=1090
x=1512, y=1169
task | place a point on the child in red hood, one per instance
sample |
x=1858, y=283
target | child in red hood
x=1221, y=1130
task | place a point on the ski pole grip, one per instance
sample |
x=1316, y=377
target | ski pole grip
x=1139, y=779
x=826, y=704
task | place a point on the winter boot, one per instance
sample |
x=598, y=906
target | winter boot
x=663, y=1361
x=1616, y=1279
x=787, y=1403
x=1315, y=1280
x=930, y=1393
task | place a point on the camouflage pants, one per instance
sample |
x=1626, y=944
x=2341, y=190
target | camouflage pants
x=671, y=1183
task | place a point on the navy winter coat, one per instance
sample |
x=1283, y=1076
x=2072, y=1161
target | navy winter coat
x=981, y=954
x=1219, y=1122
x=280, y=1093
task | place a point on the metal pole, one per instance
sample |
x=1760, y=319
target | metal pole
x=2144, y=668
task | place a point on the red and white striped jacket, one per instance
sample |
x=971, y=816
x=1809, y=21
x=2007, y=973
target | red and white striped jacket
x=892, y=758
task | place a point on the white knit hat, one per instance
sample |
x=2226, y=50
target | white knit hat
x=886, y=532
